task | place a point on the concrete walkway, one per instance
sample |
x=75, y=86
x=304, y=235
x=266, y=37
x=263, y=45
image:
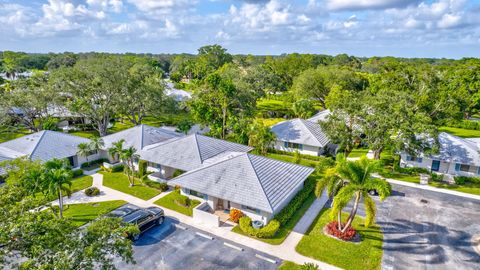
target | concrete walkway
x=427, y=187
x=285, y=251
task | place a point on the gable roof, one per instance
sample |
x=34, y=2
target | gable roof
x=458, y=150
x=247, y=179
x=44, y=145
x=140, y=136
x=320, y=116
x=189, y=152
x=300, y=131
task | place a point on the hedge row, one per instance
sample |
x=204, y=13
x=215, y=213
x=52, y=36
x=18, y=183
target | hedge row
x=284, y=216
x=461, y=180
x=77, y=173
x=267, y=231
x=93, y=162
x=465, y=124
x=155, y=184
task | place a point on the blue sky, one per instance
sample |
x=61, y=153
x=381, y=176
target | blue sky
x=407, y=28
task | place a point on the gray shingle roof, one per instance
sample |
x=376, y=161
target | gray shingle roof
x=188, y=153
x=320, y=116
x=247, y=179
x=140, y=136
x=458, y=150
x=44, y=145
x=300, y=131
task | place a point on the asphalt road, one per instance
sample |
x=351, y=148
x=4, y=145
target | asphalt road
x=428, y=230
x=168, y=247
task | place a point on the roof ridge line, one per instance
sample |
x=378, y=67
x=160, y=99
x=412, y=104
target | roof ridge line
x=260, y=182
x=304, y=122
x=141, y=139
x=38, y=143
x=198, y=148
x=208, y=166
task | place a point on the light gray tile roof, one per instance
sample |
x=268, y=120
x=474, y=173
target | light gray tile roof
x=300, y=131
x=188, y=153
x=320, y=116
x=247, y=179
x=458, y=150
x=140, y=136
x=44, y=145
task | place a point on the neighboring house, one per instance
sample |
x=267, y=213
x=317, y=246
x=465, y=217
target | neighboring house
x=46, y=145
x=304, y=136
x=258, y=186
x=177, y=94
x=457, y=156
x=321, y=116
x=186, y=154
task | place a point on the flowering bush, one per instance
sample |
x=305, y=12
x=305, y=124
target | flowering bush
x=235, y=215
x=332, y=229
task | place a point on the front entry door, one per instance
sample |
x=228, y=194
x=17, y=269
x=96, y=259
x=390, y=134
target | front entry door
x=220, y=204
x=435, y=165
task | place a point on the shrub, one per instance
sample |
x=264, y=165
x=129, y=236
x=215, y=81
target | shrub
x=324, y=164
x=183, y=201
x=462, y=180
x=235, y=215
x=157, y=185
x=92, y=191
x=105, y=169
x=267, y=231
x=297, y=157
x=118, y=168
x=436, y=177
x=332, y=229
x=177, y=173
x=142, y=168
x=77, y=173
x=309, y=266
x=297, y=201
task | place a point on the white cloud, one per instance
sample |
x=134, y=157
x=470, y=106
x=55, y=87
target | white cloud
x=364, y=4
x=449, y=21
x=157, y=7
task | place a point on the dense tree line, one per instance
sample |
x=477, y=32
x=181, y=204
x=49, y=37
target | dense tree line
x=380, y=100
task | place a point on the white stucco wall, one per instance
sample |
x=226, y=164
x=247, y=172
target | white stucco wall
x=204, y=217
x=307, y=149
x=445, y=167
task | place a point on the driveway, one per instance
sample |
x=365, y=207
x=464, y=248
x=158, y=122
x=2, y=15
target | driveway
x=178, y=246
x=428, y=230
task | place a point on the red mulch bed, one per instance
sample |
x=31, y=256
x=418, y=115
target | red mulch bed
x=349, y=235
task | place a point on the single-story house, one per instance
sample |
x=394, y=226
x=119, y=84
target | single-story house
x=321, y=116
x=185, y=154
x=258, y=186
x=456, y=156
x=46, y=145
x=304, y=136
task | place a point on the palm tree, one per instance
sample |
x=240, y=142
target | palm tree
x=83, y=149
x=116, y=150
x=96, y=143
x=355, y=181
x=58, y=179
x=128, y=156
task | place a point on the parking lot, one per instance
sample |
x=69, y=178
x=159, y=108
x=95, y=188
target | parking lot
x=428, y=230
x=178, y=246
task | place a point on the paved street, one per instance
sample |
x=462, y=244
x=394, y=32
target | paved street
x=170, y=247
x=429, y=230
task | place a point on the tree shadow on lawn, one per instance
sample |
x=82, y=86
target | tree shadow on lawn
x=427, y=238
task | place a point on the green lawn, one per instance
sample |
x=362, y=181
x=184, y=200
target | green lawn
x=119, y=181
x=86, y=212
x=283, y=232
x=401, y=177
x=287, y=265
x=169, y=202
x=269, y=121
x=358, y=152
x=461, y=132
x=471, y=188
x=365, y=255
x=81, y=182
x=13, y=133
x=291, y=159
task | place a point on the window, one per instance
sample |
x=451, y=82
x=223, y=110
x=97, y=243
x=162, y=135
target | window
x=414, y=159
x=293, y=145
x=464, y=168
x=245, y=207
x=197, y=194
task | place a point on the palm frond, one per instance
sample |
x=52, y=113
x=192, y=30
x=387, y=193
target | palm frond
x=343, y=197
x=383, y=188
x=370, y=209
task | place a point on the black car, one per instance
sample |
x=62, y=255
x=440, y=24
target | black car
x=144, y=219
